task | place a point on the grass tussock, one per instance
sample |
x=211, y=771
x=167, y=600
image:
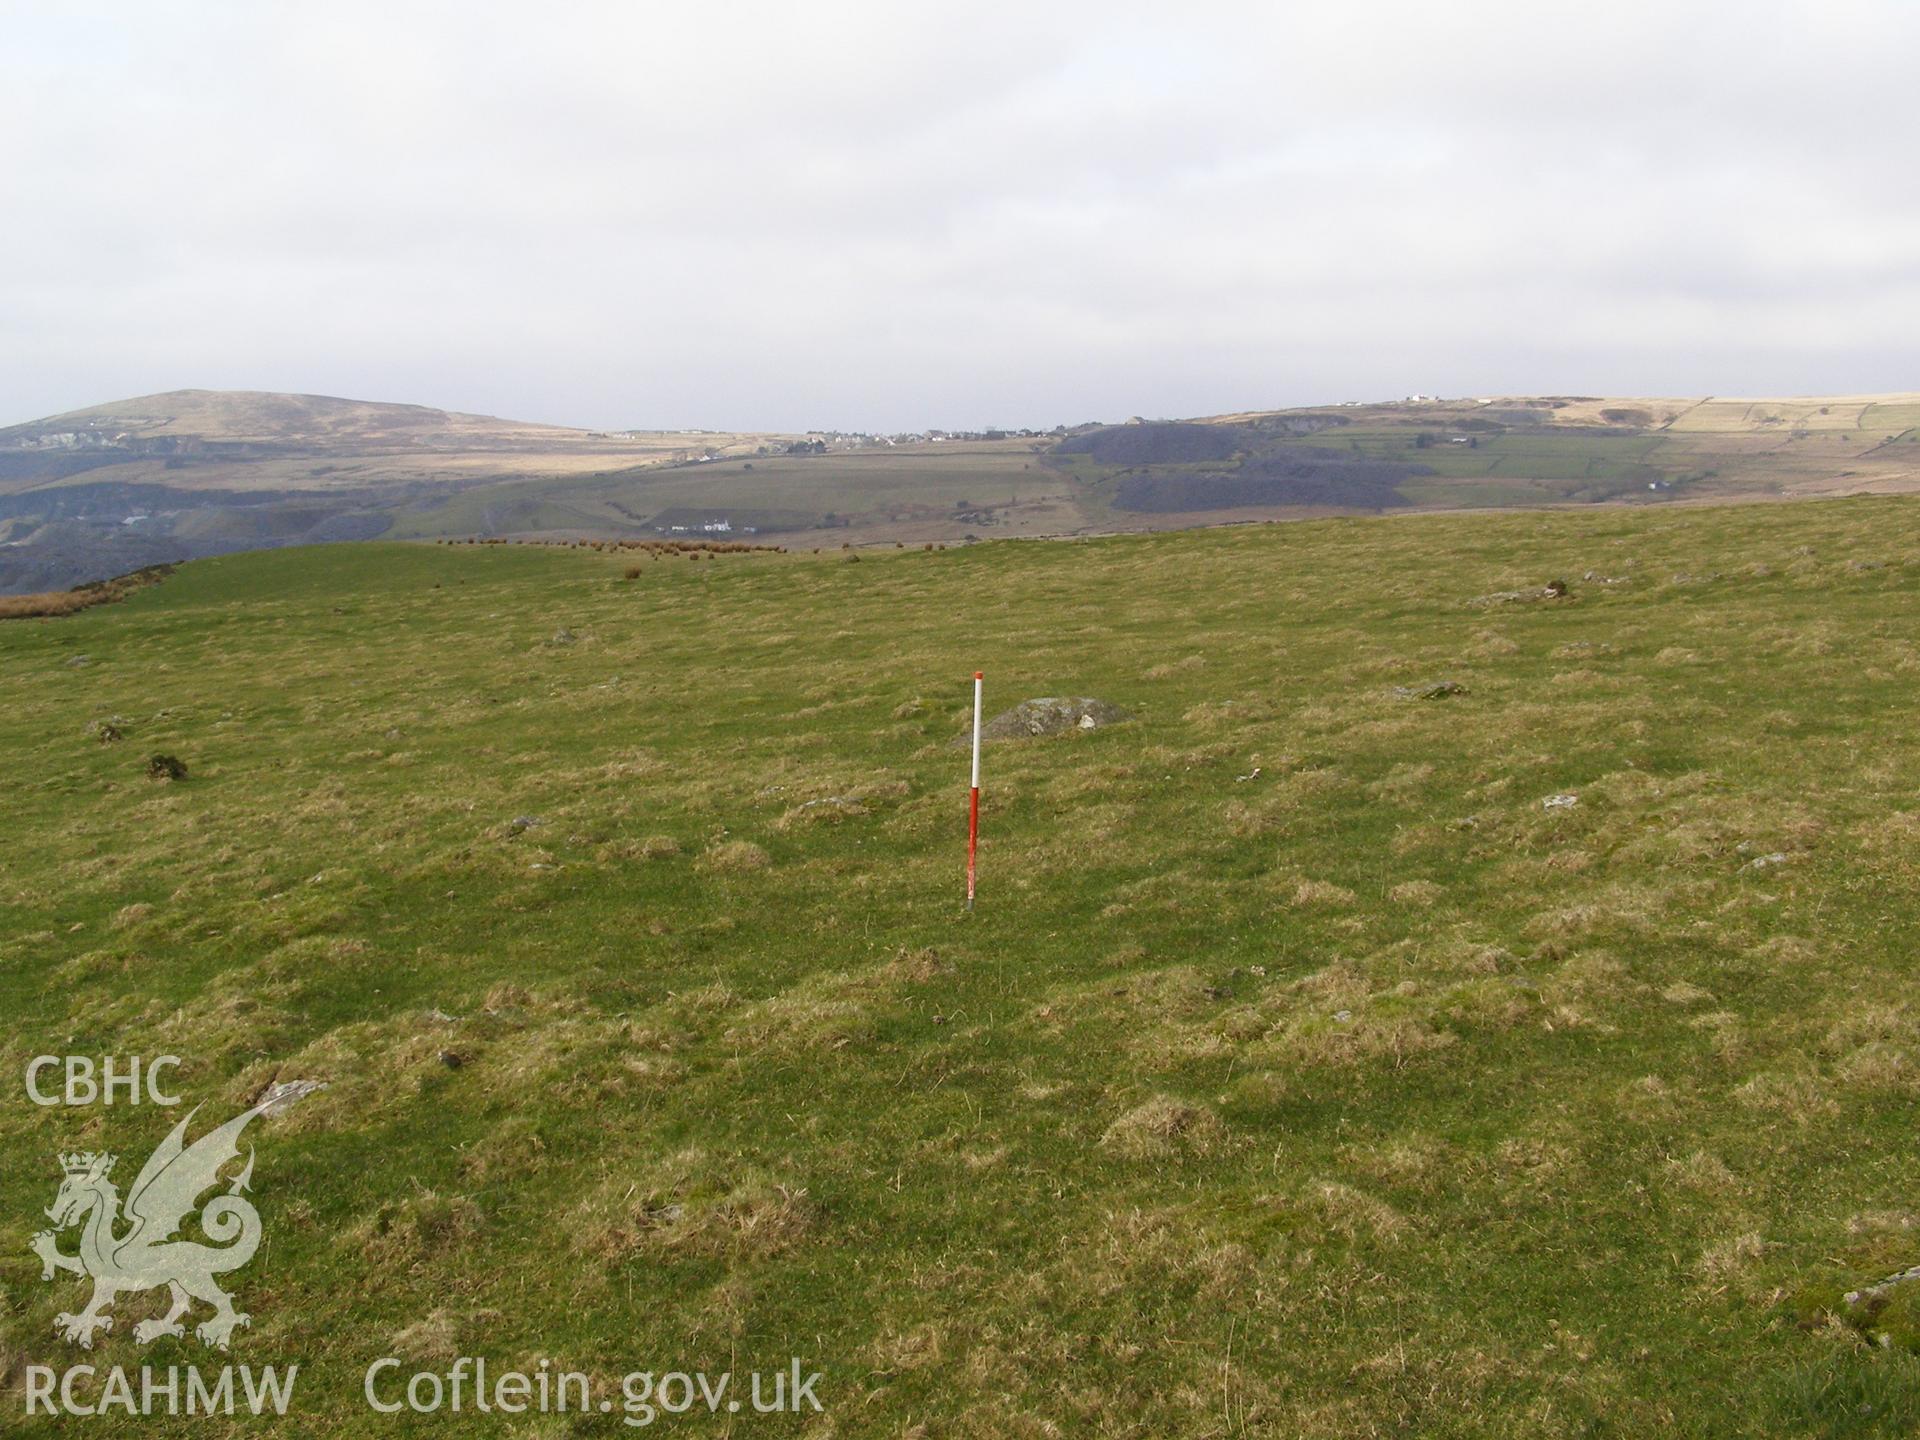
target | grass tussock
x=691, y=1204
x=734, y=857
x=403, y=1234
x=1163, y=1126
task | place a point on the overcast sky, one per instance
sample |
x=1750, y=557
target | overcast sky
x=893, y=216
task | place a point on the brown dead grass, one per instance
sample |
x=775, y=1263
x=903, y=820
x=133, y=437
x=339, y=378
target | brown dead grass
x=1163, y=1126
x=692, y=1202
x=734, y=857
x=52, y=604
x=421, y=1227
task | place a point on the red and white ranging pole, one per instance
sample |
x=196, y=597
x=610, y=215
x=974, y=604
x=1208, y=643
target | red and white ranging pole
x=973, y=804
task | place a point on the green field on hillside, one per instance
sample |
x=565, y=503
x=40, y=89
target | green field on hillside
x=875, y=484
x=1593, y=465
x=1535, y=1060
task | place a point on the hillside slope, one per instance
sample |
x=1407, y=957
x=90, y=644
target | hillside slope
x=241, y=416
x=1322, y=1060
x=196, y=472
x=258, y=440
x=200, y=472
x=1493, y=452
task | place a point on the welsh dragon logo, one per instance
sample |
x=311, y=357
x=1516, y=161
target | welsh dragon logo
x=145, y=1254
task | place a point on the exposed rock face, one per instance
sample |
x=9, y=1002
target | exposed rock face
x=1052, y=715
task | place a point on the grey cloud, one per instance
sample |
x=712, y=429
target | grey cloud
x=855, y=214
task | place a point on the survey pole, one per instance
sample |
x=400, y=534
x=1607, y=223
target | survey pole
x=973, y=799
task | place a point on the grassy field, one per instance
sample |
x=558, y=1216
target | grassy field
x=922, y=488
x=1303, y=1072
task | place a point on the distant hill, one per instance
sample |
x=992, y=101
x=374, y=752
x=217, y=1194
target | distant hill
x=1499, y=451
x=258, y=440
x=94, y=492
x=265, y=417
